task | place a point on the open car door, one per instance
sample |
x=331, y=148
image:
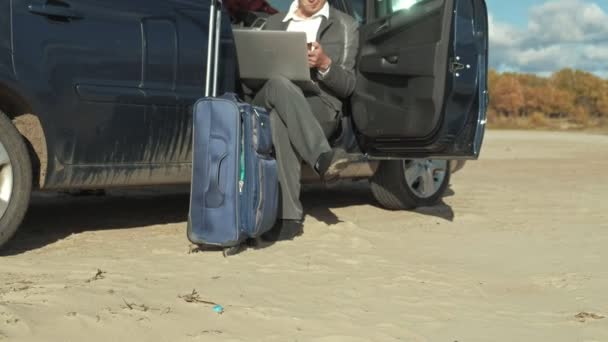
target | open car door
x=422, y=79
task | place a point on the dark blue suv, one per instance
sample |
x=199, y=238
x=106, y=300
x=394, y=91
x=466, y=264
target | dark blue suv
x=98, y=93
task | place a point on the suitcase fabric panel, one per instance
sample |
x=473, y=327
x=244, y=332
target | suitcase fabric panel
x=262, y=136
x=225, y=209
x=262, y=179
x=214, y=218
x=267, y=206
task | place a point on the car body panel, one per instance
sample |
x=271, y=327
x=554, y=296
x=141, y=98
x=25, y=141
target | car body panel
x=116, y=87
x=6, y=55
x=113, y=89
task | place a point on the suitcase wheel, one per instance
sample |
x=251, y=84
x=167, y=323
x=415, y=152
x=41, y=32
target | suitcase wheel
x=229, y=251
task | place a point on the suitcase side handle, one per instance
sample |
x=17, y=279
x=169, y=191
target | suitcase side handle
x=215, y=196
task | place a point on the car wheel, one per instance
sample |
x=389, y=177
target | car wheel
x=409, y=184
x=15, y=179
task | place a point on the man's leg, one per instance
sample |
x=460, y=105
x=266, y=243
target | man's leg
x=326, y=115
x=297, y=135
x=303, y=130
x=290, y=163
x=289, y=169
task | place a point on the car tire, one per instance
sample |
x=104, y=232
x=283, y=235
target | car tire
x=399, y=184
x=15, y=179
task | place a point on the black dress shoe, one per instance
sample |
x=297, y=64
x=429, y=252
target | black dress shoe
x=284, y=230
x=331, y=163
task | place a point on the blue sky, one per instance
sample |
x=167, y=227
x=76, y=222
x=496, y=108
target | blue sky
x=541, y=36
x=516, y=11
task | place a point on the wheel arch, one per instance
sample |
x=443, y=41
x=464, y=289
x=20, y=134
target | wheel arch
x=22, y=114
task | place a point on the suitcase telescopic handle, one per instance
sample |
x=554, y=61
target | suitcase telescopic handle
x=213, y=47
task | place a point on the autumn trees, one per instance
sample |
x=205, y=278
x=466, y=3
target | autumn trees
x=568, y=96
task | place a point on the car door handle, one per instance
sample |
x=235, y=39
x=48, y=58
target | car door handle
x=394, y=59
x=55, y=11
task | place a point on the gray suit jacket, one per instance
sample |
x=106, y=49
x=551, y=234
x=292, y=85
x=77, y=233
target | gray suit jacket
x=339, y=37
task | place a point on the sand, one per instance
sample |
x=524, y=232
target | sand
x=517, y=252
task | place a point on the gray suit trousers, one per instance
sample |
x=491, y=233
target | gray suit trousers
x=300, y=128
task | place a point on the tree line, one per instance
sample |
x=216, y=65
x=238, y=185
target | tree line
x=566, y=99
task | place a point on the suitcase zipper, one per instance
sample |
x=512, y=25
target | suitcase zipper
x=244, y=193
x=242, y=169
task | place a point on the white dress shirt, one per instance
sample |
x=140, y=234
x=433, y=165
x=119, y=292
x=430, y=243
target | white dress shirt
x=310, y=26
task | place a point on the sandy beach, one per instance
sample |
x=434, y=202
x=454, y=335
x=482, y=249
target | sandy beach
x=516, y=252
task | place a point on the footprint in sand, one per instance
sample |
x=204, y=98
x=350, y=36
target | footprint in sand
x=587, y=316
x=362, y=245
x=568, y=281
x=6, y=318
x=11, y=324
x=205, y=334
x=339, y=338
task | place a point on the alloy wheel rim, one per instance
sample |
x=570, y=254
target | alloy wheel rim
x=6, y=180
x=424, y=177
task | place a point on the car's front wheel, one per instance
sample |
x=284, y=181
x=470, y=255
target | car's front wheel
x=409, y=184
x=15, y=179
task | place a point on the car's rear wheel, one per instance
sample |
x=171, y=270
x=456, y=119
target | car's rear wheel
x=409, y=184
x=15, y=179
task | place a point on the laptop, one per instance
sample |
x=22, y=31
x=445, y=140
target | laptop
x=265, y=54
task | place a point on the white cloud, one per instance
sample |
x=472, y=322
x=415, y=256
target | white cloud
x=502, y=34
x=562, y=33
x=599, y=53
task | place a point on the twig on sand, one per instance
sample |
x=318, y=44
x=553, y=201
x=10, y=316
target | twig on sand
x=127, y=304
x=99, y=275
x=195, y=298
x=134, y=306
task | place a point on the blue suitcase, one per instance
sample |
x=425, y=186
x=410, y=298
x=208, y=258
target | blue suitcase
x=235, y=187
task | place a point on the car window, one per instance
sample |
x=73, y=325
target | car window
x=384, y=8
x=358, y=7
x=280, y=5
x=397, y=5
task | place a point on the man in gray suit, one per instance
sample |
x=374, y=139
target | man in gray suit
x=302, y=123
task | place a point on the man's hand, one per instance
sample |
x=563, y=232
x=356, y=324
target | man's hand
x=317, y=58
